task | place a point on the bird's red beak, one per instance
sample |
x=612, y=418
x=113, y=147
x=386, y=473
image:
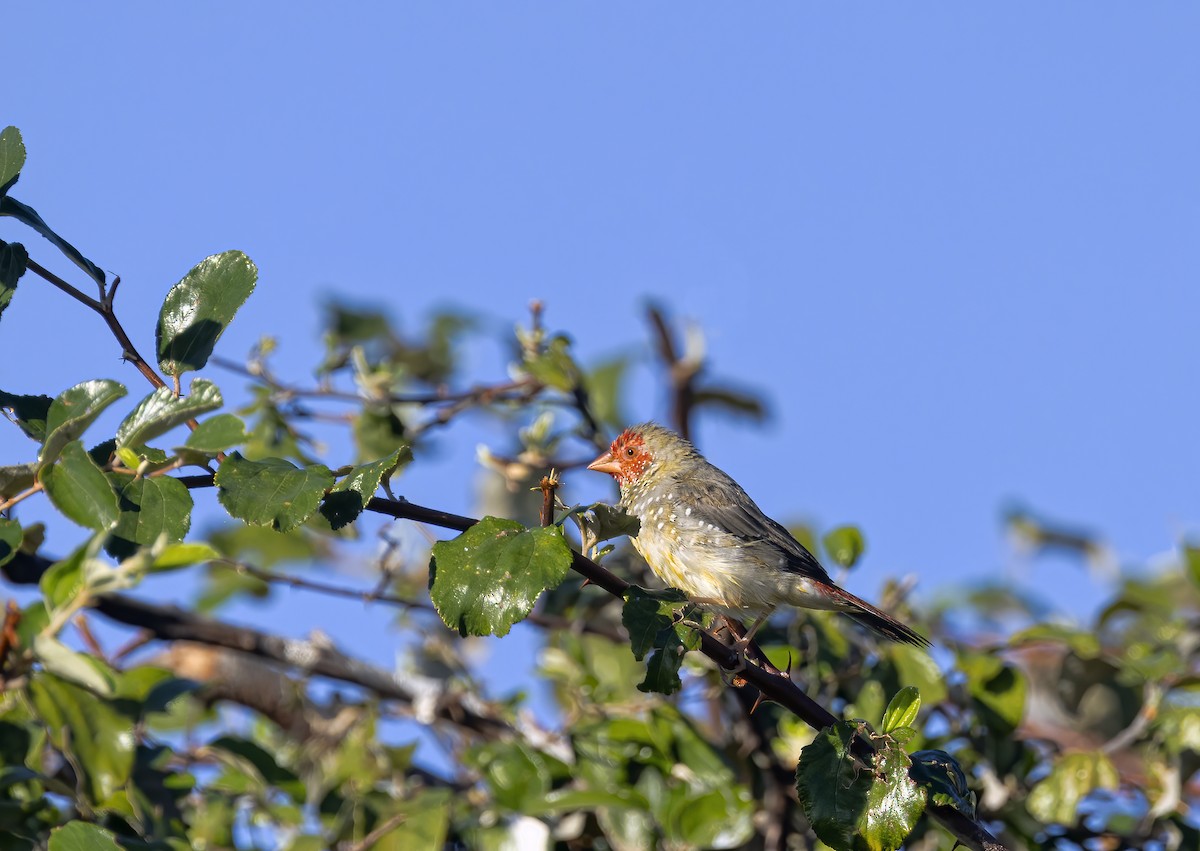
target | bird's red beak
x=605, y=464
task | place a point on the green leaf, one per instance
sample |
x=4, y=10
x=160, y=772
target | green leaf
x=64, y=579
x=78, y=722
x=81, y=836
x=216, y=434
x=1191, y=560
x=554, y=367
x=350, y=496
x=175, y=556
x=13, y=259
x=10, y=539
x=62, y=661
x=15, y=479
x=845, y=545
x=1056, y=798
x=149, y=507
x=903, y=709
x=654, y=620
x=197, y=310
x=29, y=411
x=489, y=577
x=161, y=411
x=252, y=758
x=73, y=411
x=944, y=779
x=27, y=215
x=378, y=431
x=79, y=489
x=998, y=689
x=271, y=492
x=852, y=807
x=12, y=157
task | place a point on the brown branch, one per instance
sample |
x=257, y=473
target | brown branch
x=375, y=835
x=104, y=307
x=681, y=373
x=548, y=487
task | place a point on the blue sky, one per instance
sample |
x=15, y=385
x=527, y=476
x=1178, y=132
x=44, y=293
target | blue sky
x=955, y=243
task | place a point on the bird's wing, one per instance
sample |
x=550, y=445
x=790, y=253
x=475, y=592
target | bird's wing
x=719, y=500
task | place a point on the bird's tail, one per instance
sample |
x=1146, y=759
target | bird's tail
x=876, y=620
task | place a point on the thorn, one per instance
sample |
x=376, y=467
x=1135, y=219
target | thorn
x=586, y=582
x=757, y=702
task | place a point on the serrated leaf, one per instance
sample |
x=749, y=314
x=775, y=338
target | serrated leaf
x=1055, y=799
x=12, y=156
x=62, y=661
x=10, y=539
x=81, y=836
x=149, y=507
x=845, y=545
x=29, y=411
x=216, y=434
x=197, y=310
x=654, y=620
x=13, y=259
x=350, y=496
x=73, y=410
x=944, y=779
x=489, y=577
x=80, y=490
x=853, y=807
x=101, y=738
x=10, y=206
x=161, y=411
x=271, y=492
x=902, y=710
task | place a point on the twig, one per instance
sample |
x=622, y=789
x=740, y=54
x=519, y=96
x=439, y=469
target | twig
x=105, y=308
x=548, y=487
x=25, y=494
x=375, y=835
x=681, y=372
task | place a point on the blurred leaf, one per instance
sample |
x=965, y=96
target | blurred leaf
x=81, y=836
x=654, y=620
x=350, y=496
x=519, y=776
x=73, y=411
x=149, y=507
x=845, y=545
x=427, y=823
x=604, y=390
x=197, y=310
x=27, y=215
x=14, y=480
x=554, y=366
x=265, y=547
x=851, y=807
x=246, y=753
x=13, y=259
x=731, y=401
x=902, y=710
x=161, y=411
x=915, y=667
x=489, y=577
x=175, y=556
x=997, y=688
x=1179, y=728
x=216, y=434
x=271, y=492
x=944, y=779
x=378, y=432
x=29, y=411
x=10, y=539
x=78, y=722
x=12, y=157
x=1055, y=799
x=61, y=660
x=1191, y=559
x=868, y=704
x=80, y=490
x=1086, y=644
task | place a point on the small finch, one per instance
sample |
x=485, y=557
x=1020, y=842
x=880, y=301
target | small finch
x=702, y=534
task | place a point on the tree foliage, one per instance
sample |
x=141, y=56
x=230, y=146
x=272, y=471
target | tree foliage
x=204, y=733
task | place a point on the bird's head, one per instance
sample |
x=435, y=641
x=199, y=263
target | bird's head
x=641, y=452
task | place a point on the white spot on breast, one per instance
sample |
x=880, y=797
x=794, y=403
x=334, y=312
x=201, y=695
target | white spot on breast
x=688, y=512
x=660, y=525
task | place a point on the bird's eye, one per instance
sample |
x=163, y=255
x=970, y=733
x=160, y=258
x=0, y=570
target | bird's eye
x=629, y=452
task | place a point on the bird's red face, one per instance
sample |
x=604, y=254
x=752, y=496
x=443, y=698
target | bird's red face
x=626, y=460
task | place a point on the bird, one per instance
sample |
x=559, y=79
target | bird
x=700, y=532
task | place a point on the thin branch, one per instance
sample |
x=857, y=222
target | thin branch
x=681, y=373
x=375, y=835
x=105, y=308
